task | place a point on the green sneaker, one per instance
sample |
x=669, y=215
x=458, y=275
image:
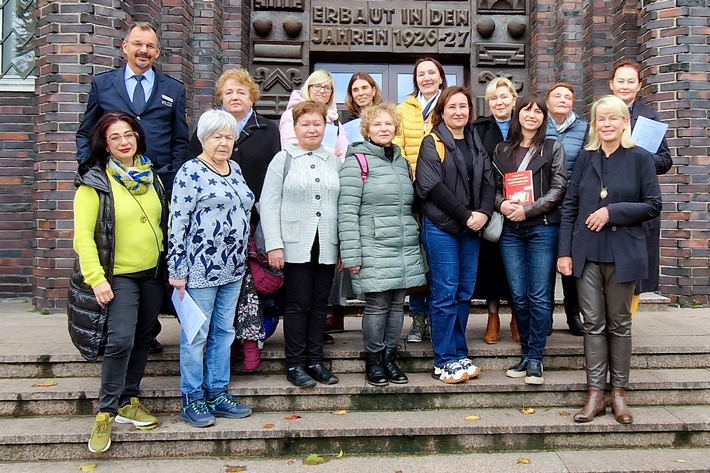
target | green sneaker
x=134, y=413
x=100, y=439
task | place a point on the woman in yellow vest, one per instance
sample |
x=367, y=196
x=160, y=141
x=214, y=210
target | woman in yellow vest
x=429, y=80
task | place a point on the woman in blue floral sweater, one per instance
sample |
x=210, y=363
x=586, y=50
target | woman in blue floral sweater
x=208, y=236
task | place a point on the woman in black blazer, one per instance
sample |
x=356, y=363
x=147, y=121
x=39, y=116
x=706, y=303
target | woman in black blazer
x=626, y=84
x=612, y=191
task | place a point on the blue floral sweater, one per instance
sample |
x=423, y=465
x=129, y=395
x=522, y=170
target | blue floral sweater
x=209, y=225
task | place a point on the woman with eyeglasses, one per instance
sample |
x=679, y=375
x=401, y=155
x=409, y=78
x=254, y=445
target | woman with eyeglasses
x=120, y=212
x=319, y=88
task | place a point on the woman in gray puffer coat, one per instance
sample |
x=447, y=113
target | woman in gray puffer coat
x=379, y=237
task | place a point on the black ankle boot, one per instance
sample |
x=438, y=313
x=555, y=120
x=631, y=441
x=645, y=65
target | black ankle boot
x=575, y=325
x=392, y=371
x=373, y=369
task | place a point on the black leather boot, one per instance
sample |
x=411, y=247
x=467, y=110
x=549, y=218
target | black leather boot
x=392, y=371
x=374, y=373
x=575, y=325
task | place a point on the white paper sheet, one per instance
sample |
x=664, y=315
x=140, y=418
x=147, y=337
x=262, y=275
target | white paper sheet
x=648, y=134
x=191, y=317
x=331, y=136
x=352, y=131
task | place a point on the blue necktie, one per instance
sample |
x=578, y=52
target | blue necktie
x=138, y=95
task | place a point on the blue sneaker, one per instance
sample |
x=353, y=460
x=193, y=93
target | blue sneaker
x=197, y=414
x=226, y=405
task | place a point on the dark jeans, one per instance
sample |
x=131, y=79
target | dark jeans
x=529, y=255
x=131, y=316
x=453, y=262
x=383, y=319
x=307, y=290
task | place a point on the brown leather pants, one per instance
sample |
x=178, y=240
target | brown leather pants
x=605, y=305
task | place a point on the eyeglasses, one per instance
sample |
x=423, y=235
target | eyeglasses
x=139, y=45
x=116, y=138
x=319, y=87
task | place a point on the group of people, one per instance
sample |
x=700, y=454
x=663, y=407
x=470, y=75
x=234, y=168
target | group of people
x=412, y=197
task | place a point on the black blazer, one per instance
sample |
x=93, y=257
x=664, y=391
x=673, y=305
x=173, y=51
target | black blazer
x=634, y=196
x=257, y=144
x=489, y=131
x=163, y=120
x=662, y=159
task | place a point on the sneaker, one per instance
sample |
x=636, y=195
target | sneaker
x=418, y=330
x=226, y=405
x=534, y=373
x=134, y=413
x=100, y=439
x=471, y=370
x=450, y=373
x=519, y=370
x=197, y=414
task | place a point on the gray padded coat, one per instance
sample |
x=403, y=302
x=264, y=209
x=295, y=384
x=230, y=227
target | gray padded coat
x=376, y=224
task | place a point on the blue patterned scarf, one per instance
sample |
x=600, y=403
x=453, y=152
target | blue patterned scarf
x=136, y=178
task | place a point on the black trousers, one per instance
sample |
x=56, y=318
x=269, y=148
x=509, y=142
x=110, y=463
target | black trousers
x=131, y=316
x=307, y=290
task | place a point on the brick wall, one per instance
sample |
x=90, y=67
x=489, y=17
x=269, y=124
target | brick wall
x=674, y=52
x=17, y=112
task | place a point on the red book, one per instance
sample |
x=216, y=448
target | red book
x=519, y=187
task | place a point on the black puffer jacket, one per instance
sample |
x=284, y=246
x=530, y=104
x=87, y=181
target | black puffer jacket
x=448, y=195
x=87, y=319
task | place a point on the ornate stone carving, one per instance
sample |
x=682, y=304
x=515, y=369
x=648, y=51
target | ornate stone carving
x=500, y=54
x=516, y=28
x=486, y=26
x=289, y=79
x=275, y=51
x=500, y=6
x=279, y=5
x=262, y=25
x=292, y=26
x=487, y=76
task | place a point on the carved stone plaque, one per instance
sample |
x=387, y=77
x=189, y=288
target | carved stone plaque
x=418, y=27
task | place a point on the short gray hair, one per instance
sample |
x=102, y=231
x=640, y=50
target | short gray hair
x=213, y=121
x=145, y=26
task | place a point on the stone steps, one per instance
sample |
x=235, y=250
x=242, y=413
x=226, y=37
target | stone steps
x=660, y=460
x=72, y=396
x=360, y=432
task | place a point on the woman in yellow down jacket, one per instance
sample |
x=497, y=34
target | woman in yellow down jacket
x=429, y=80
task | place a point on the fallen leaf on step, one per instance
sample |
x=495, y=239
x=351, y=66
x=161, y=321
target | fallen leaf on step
x=235, y=469
x=290, y=462
x=269, y=426
x=679, y=461
x=45, y=384
x=523, y=461
x=341, y=412
x=339, y=455
x=314, y=459
x=87, y=466
x=527, y=410
x=565, y=414
x=292, y=417
x=473, y=417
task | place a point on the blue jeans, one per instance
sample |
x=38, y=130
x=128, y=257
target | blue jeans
x=204, y=363
x=453, y=261
x=529, y=256
x=419, y=303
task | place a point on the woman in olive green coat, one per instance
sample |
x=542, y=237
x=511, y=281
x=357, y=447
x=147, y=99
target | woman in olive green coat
x=379, y=237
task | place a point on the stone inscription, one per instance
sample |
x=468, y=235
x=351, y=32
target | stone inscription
x=278, y=5
x=405, y=26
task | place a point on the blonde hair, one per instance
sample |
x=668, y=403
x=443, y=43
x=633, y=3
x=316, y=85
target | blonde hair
x=500, y=82
x=241, y=77
x=320, y=76
x=368, y=114
x=616, y=105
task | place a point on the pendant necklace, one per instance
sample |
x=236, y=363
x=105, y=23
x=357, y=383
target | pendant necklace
x=604, y=192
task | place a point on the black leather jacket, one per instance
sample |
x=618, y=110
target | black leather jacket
x=549, y=183
x=447, y=194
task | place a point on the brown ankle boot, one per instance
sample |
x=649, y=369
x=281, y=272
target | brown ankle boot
x=514, y=329
x=492, y=335
x=621, y=411
x=594, y=407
